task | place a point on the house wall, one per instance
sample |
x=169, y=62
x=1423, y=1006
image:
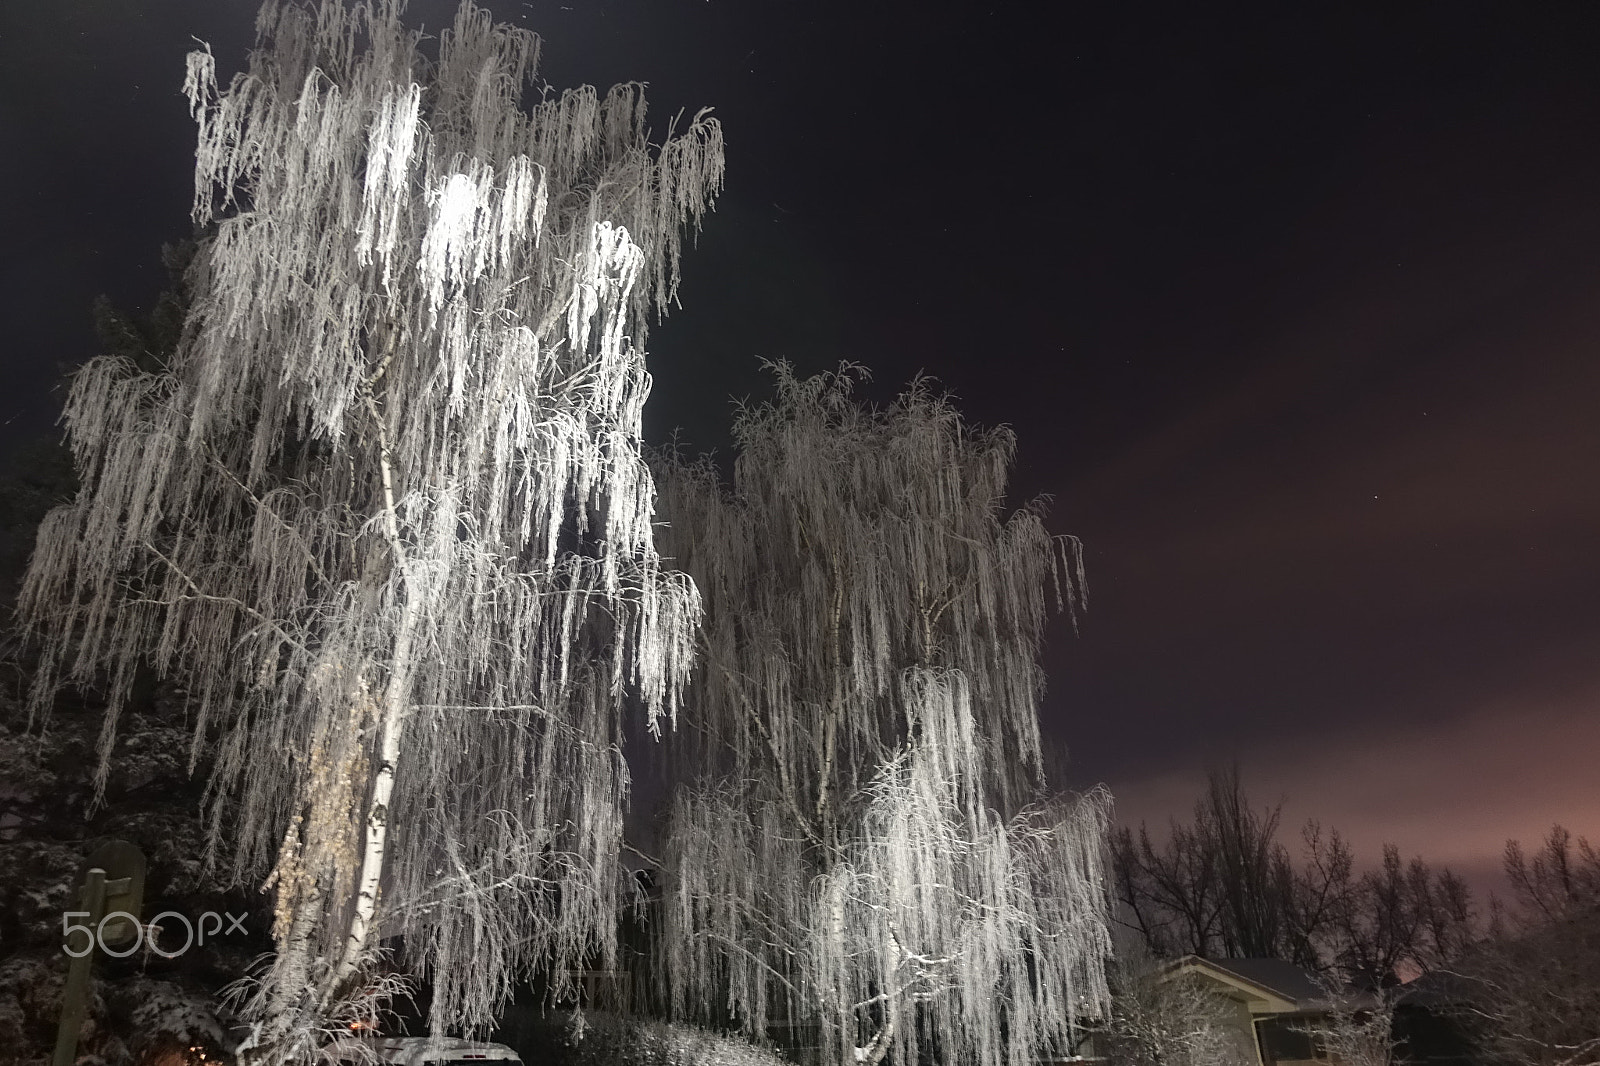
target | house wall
x=1242, y=1022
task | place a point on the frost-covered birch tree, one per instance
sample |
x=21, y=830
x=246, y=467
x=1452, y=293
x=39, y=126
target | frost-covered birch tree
x=853, y=845
x=384, y=513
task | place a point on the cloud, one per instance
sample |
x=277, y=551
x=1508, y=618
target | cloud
x=1331, y=553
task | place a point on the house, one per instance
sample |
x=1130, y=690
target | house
x=1275, y=1004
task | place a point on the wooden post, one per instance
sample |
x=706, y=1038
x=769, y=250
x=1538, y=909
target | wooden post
x=75, y=997
x=113, y=882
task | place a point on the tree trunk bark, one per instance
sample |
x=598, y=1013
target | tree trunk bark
x=391, y=723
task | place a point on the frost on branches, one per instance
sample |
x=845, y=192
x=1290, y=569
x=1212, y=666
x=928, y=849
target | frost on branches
x=384, y=514
x=859, y=845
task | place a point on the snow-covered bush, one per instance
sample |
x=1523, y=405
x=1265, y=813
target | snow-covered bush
x=593, y=1038
x=163, y=1009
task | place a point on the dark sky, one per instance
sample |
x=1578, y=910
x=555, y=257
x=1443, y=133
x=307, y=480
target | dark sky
x=1296, y=315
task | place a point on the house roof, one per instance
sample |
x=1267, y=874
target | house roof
x=1277, y=986
x=1284, y=978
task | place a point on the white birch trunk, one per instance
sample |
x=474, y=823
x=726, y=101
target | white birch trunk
x=358, y=945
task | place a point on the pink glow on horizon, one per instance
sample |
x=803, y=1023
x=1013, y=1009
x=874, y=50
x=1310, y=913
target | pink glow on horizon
x=1450, y=794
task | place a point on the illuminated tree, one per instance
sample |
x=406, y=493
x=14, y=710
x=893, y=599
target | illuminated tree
x=383, y=513
x=850, y=847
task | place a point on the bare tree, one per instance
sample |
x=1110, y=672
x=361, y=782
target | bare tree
x=1223, y=886
x=1536, y=983
x=384, y=512
x=851, y=846
x=1558, y=880
x=1321, y=893
x=1402, y=915
x=1168, y=894
x=1449, y=923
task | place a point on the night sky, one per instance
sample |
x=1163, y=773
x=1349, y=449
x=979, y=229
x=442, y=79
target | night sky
x=1295, y=315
